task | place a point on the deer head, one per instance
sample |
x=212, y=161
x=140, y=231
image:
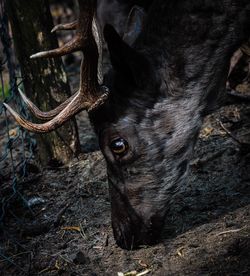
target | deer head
x=160, y=86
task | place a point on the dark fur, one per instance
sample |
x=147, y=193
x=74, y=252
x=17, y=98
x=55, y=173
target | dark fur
x=115, y=12
x=160, y=89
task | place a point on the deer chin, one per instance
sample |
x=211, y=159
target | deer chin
x=131, y=228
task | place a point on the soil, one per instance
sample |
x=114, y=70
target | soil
x=57, y=220
x=66, y=228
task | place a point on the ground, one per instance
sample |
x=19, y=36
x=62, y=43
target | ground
x=65, y=229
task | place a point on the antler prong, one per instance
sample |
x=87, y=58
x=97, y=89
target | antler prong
x=44, y=115
x=67, y=48
x=67, y=26
x=76, y=105
x=90, y=94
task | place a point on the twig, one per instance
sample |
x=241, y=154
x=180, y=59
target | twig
x=179, y=251
x=82, y=233
x=230, y=231
x=15, y=255
x=60, y=214
x=143, y=272
x=65, y=259
x=44, y=270
x=8, y=259
x=230, y=133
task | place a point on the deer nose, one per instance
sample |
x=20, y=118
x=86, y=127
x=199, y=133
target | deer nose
x=133, y=234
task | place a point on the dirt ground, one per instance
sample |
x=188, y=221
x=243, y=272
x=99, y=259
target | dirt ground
x=65, y=229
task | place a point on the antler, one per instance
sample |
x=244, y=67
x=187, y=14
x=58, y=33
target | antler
x=90, y=94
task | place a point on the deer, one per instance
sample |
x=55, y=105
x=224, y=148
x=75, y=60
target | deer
x=148, y=109
x=116, y=13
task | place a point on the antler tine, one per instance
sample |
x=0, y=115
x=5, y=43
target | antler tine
x=90, y=95
x=44, y=115
x=67, y=26
x=70, y=47
x=71, y=109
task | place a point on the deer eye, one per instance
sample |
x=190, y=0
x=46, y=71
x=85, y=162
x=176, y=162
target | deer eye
x=119, y=146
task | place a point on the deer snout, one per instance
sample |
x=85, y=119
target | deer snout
x=131, y=227
x=131, y=235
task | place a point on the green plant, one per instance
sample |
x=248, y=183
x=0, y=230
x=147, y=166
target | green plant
x=4, y=91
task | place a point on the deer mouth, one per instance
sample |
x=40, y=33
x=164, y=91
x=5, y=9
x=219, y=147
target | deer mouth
x=132, y=231
x=134, y=235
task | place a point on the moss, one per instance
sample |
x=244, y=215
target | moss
x=4, y=91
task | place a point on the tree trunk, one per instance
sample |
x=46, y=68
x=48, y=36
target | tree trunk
x=45, y=81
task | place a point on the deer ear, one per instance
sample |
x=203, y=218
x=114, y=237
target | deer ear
x=134, y=25
x=126, y=60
